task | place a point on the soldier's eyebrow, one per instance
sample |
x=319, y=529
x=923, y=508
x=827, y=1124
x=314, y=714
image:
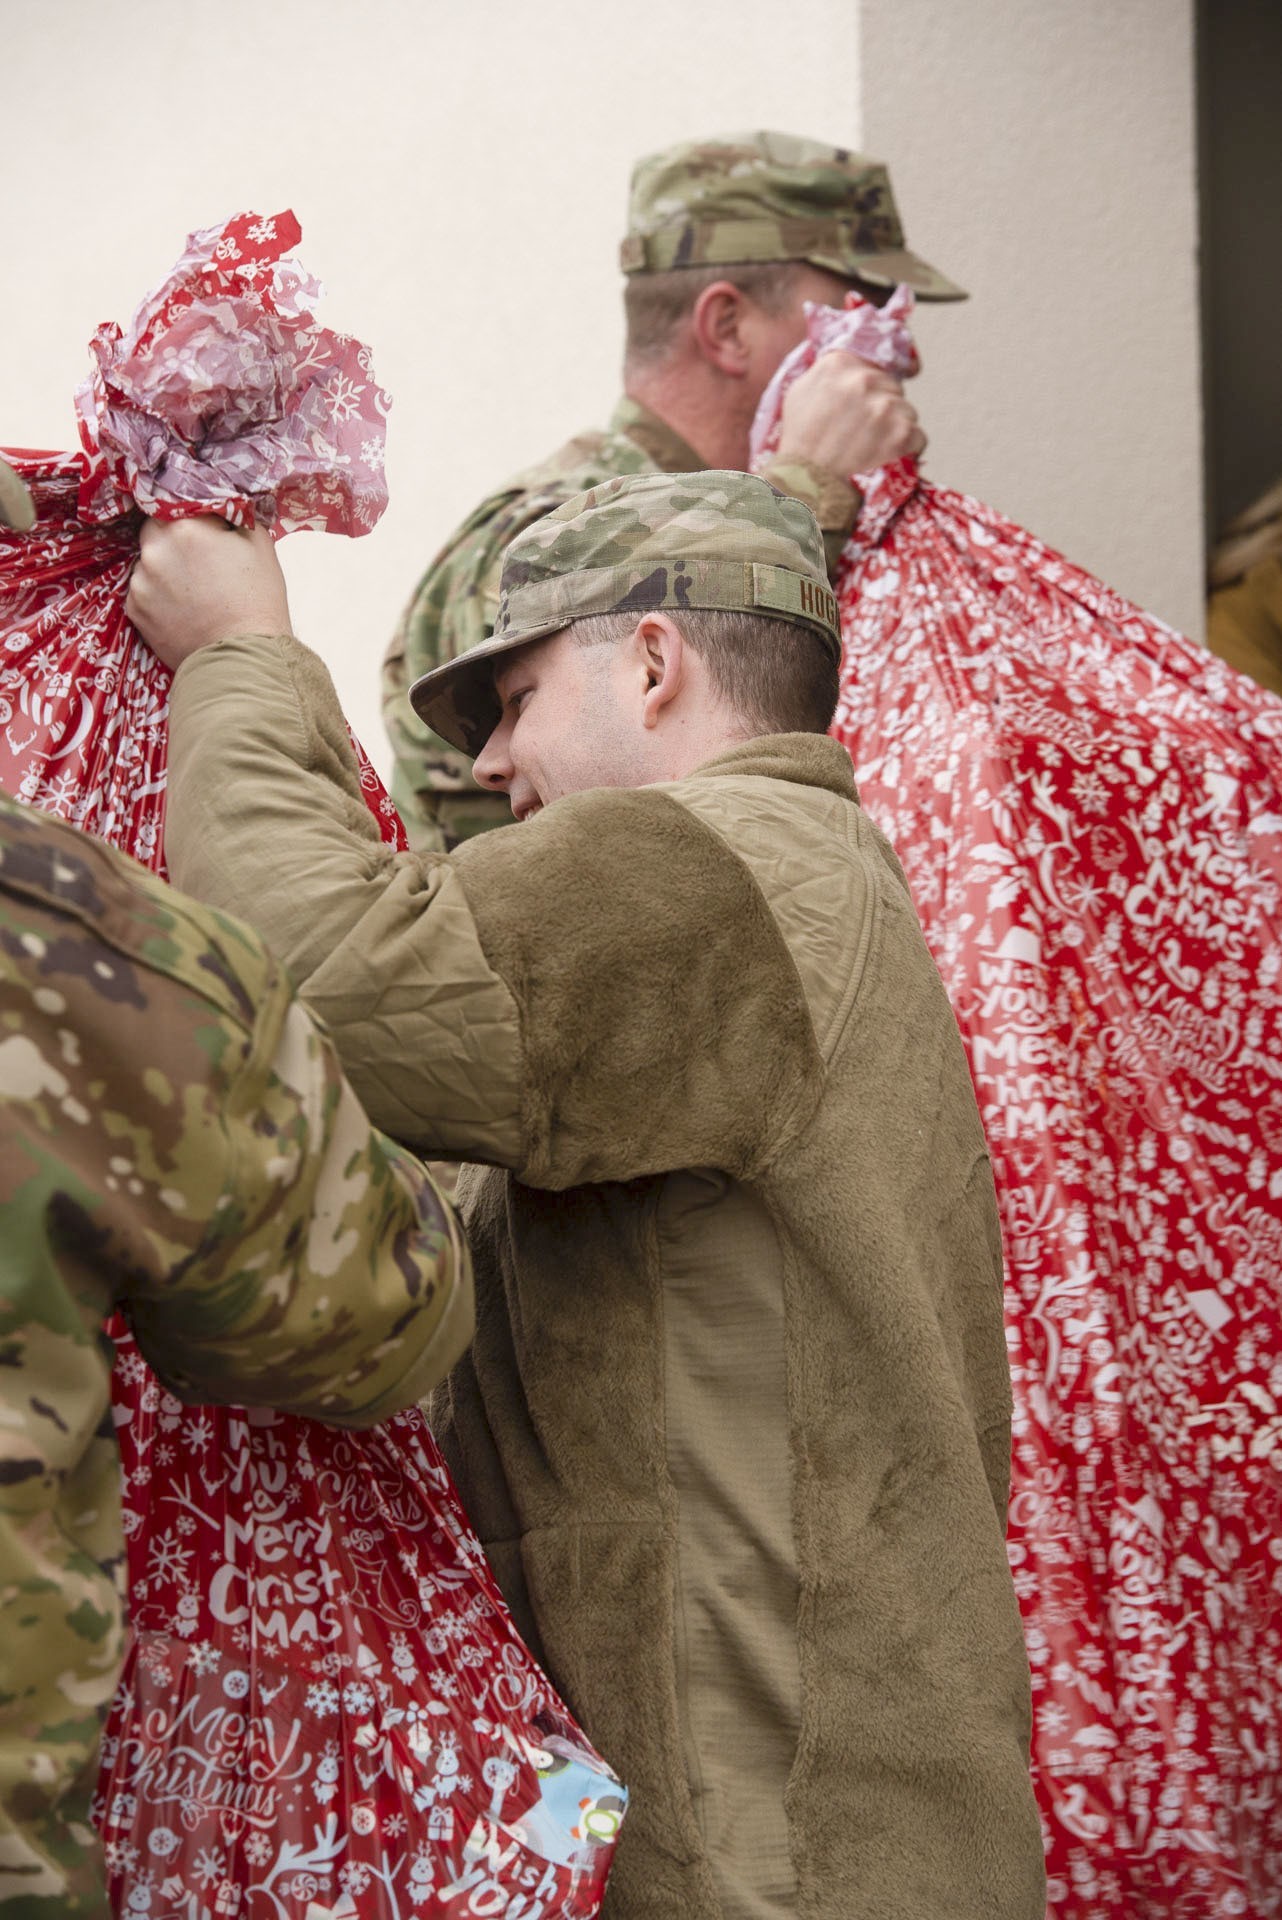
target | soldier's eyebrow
x=503, y=674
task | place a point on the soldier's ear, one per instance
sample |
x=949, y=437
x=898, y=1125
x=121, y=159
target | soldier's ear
x=659, y=649
x=717, y=324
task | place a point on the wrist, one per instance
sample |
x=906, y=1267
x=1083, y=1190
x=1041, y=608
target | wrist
x=832, y=497
x=257, y=634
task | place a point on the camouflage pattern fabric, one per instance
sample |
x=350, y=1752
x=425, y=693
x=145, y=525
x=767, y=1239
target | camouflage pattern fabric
x=176, y=1140
x=456, y=603
x=642, y=543
x=771, y=196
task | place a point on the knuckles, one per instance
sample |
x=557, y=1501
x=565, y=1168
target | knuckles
x=844, y=370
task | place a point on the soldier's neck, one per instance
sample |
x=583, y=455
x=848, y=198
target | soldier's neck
x=710, y=413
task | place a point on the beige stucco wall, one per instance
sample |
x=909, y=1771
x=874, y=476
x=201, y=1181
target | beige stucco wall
x=1045, y=152
x=460, y=171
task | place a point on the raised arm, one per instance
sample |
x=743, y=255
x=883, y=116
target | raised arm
x=583, y=997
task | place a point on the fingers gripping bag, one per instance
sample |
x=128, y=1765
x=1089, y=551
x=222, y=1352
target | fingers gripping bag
x=325, y=1710
x=1088, y=810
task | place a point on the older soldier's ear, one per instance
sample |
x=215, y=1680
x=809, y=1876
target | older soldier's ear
x=717, y=323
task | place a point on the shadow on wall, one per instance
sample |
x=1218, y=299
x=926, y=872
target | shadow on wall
x=1239, y=65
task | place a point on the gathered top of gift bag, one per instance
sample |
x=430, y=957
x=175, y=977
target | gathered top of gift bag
x=224, y=394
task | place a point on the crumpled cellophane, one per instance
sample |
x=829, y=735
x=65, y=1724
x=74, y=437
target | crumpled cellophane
x=1088, y=809
x=222, y=396
x=1089, y=813
x=325, y=1710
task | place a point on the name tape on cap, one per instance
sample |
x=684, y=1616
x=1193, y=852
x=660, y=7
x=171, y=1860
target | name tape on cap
x=788, y=592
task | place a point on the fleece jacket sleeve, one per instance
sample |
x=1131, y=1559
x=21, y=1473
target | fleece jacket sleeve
x=599, y=994
x=265, y=818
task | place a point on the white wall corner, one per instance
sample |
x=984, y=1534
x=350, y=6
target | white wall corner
x=1046, y=157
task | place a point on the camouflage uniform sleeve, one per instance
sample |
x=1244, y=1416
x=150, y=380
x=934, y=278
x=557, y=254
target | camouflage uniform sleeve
x=834, y=502
x=452, y=610
x=332, y=1280
x=176, y=1138
x=184, y=1132
x=61, y=1567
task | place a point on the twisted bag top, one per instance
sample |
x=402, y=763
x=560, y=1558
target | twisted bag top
x=223, y=395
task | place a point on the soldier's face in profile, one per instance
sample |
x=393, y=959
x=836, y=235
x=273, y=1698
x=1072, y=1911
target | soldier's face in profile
x=568, y=720
x=776, y=334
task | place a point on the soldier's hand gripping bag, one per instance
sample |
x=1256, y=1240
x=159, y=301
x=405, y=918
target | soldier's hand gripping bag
x=223, y=395
x=326, y=1711
x=1088, y=809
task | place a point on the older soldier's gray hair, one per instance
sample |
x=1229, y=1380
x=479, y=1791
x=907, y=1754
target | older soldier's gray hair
x=656, y=304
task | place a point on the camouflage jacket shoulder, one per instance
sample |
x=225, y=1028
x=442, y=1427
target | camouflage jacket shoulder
x=176, y=1139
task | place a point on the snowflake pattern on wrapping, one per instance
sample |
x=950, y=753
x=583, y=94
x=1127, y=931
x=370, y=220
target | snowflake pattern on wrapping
x=325, y=1711
x=222, y=396
x=325, y=1708
x=225, y=395
x=1088, y=809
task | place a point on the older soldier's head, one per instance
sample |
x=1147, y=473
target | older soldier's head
x=643, y=627
x=728, y=238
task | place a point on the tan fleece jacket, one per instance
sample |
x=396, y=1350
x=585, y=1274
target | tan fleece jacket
x=735, y=1425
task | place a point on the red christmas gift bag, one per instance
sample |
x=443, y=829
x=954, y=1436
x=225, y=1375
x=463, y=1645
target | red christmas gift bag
x=325, y=1710
x=222, y=396
x=1088, y=809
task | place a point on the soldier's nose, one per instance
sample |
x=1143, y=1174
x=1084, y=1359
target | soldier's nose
x=493, y=766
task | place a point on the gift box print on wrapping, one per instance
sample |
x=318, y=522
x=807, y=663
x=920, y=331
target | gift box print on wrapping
x=325, y=1707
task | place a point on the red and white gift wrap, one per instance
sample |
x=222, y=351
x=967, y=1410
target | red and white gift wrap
x=222, y=396
x=1088, y=809
x=325, y=1708
x=325, y=1711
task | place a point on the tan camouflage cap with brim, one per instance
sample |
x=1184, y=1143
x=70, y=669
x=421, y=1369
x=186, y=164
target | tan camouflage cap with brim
x=771, y=196
x=642, y=543
x=17, y=509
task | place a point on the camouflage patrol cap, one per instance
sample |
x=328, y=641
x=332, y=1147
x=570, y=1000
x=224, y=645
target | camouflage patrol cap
x=640, y=543
x=770, y=196
x=17, y=509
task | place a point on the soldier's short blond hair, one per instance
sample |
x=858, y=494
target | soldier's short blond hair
x=656, y=304
x=776, y=676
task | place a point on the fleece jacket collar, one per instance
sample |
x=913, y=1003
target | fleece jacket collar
x=805, y=759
